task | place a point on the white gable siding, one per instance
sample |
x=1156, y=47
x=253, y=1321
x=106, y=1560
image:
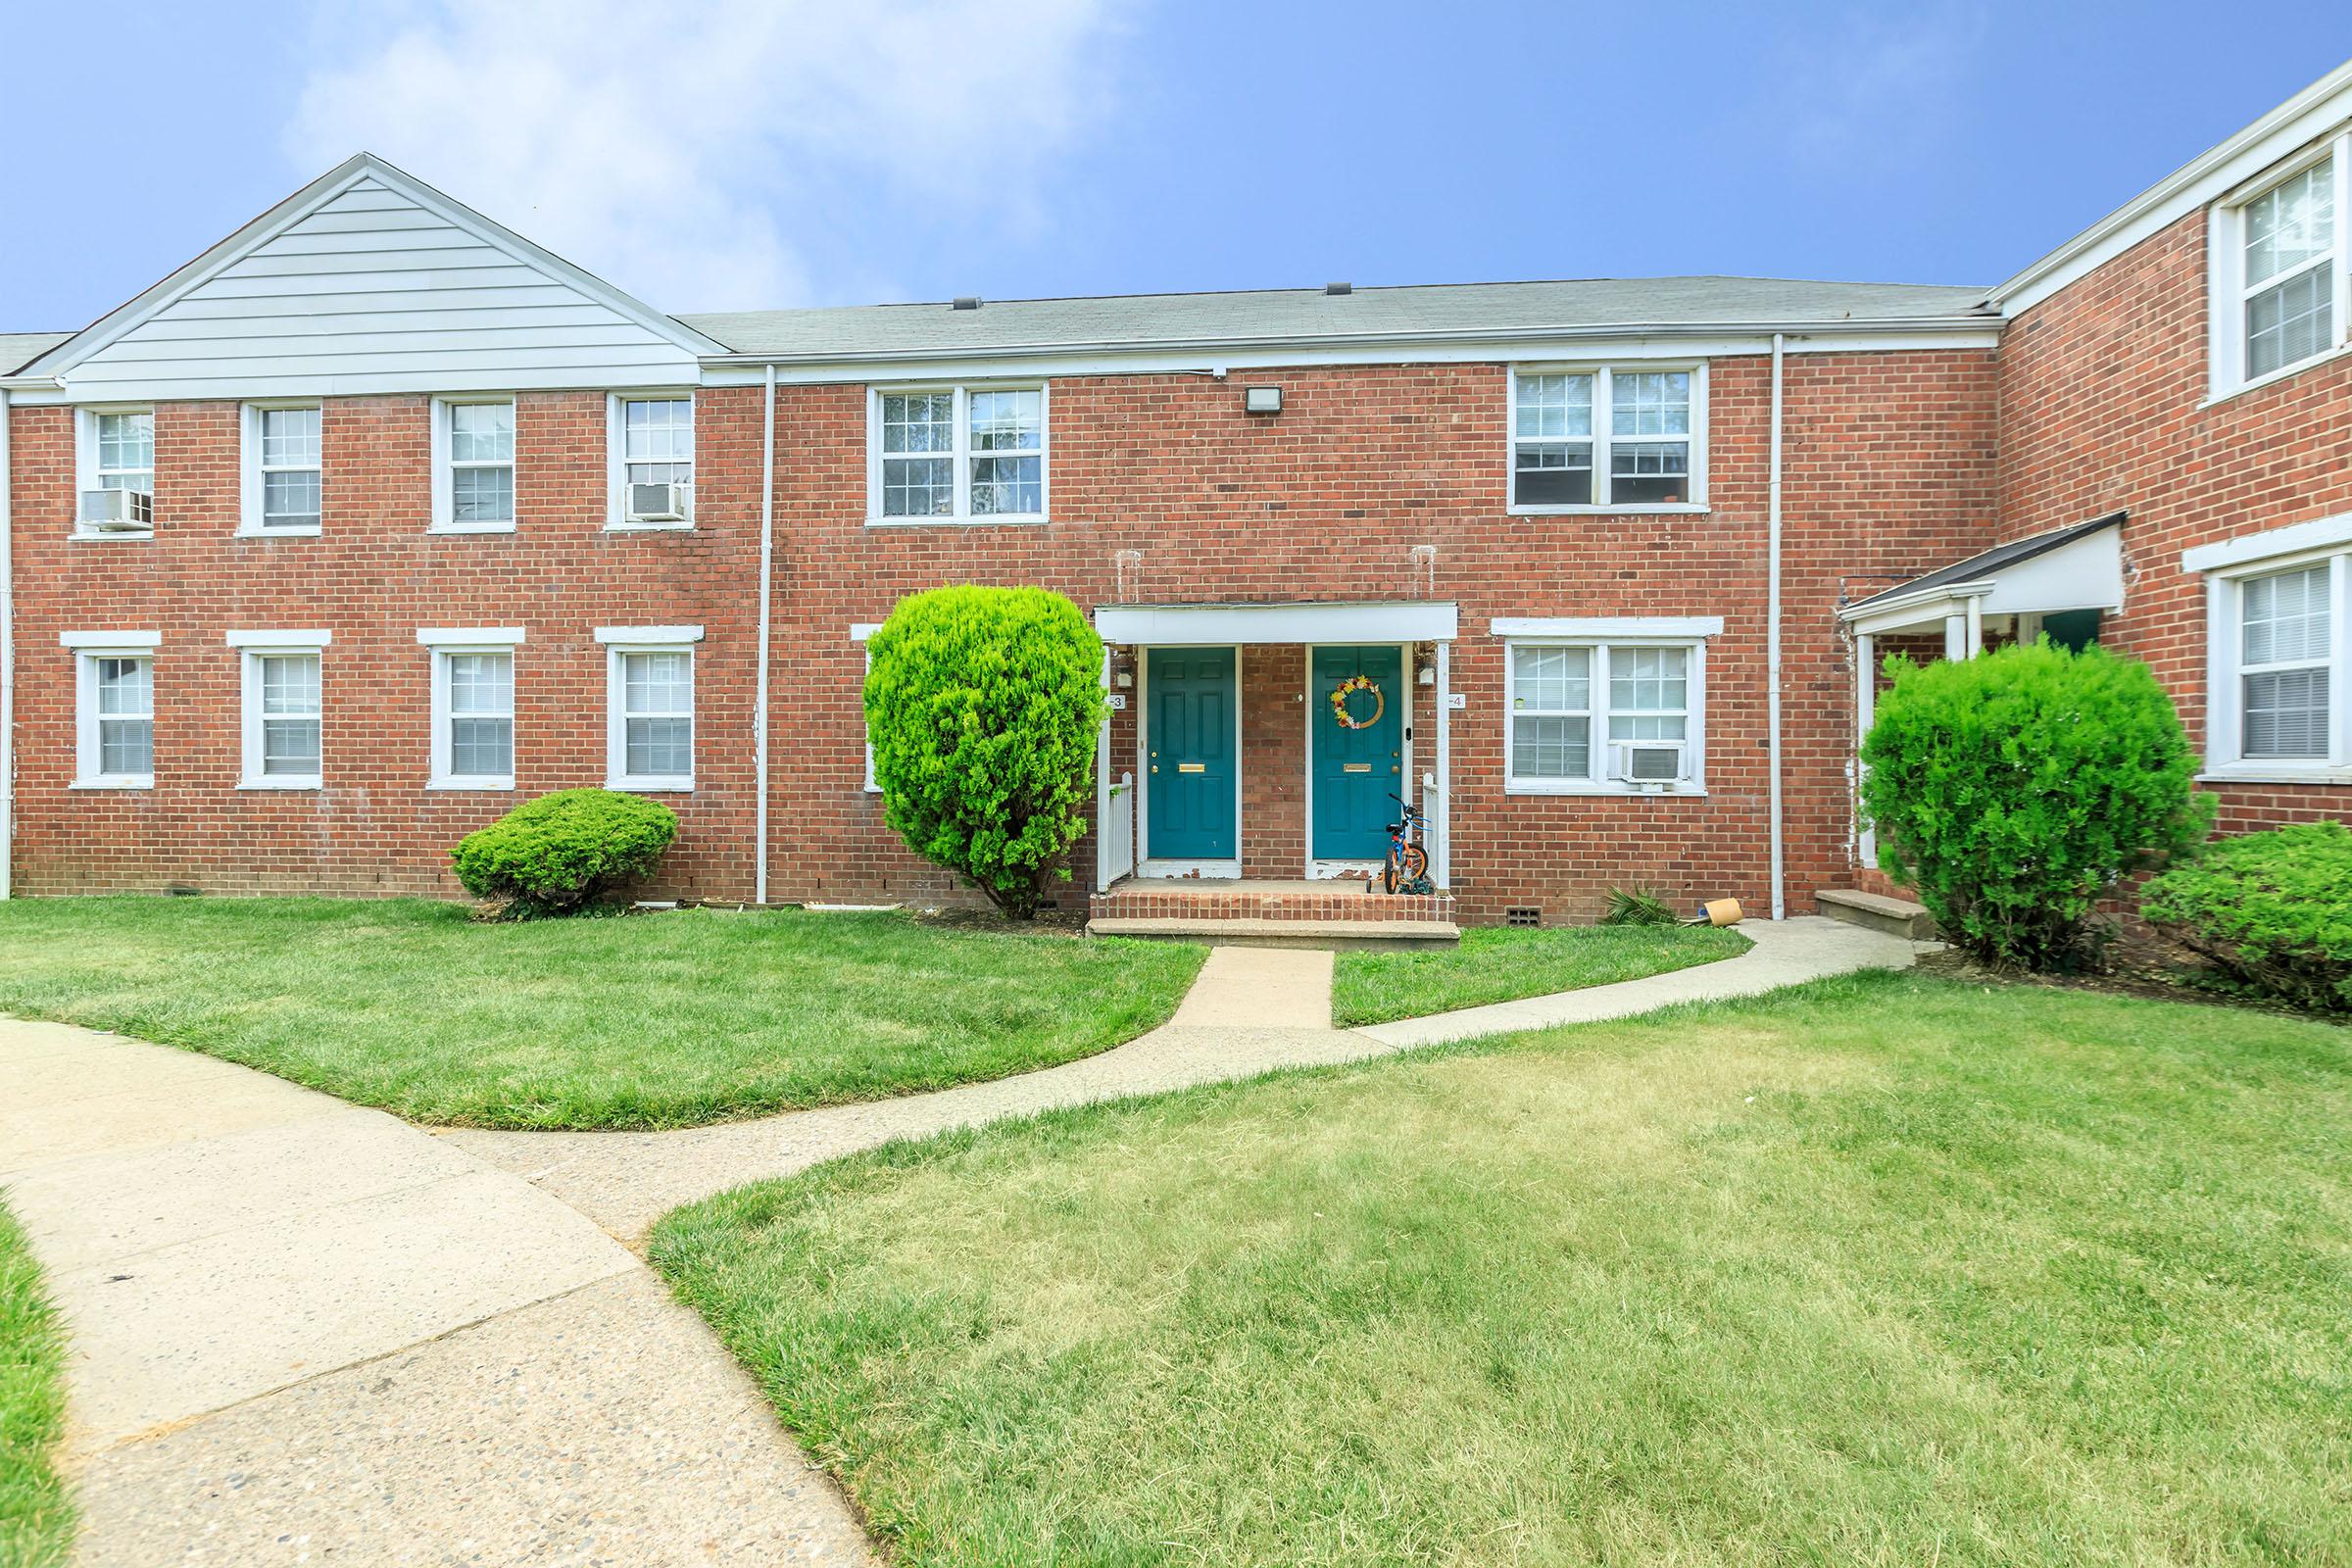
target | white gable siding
x=375, y=292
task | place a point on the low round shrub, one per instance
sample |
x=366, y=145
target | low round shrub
x=983, y=705
x=2271, y=911
x=566, y=850
x=2014, y=790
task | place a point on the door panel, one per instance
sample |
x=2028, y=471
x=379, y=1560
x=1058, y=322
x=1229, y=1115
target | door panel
x=1190, y=753
x=1355, y=770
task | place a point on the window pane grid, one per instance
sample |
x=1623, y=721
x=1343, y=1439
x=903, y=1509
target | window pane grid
x=1552, y=724
x=1565, y=697
x=658, y=440
x=657, y=716
x=123, y=689
x=481, y=457
x=1560, y=456
x=289, y=468
x=2285, y=632
x=481, y=702
x=289, y=714
x=126, y=451
x=989, y=462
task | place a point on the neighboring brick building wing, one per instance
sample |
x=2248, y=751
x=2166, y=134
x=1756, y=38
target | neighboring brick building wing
x=377, y=517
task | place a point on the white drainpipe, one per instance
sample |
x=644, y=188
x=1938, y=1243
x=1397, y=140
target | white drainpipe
x=1772, y=647
x=767, y=559
x=8, y=663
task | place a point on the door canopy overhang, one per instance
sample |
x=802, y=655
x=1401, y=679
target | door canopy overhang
x=1220, y=626
x=2079, y=566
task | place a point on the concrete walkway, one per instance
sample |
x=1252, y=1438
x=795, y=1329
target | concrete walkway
x=308, y=1333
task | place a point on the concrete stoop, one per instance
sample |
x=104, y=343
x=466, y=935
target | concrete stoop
x=1897, y=917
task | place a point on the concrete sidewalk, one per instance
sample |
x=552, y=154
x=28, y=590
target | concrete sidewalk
x=304, y=1332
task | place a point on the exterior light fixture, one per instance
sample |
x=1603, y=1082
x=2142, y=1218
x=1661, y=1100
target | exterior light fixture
x=1262, y=400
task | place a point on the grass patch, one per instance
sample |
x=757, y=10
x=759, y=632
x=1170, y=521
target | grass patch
x=36, y=1520
x=1502, y=963
x=1885, y=1269
x=658, y=1021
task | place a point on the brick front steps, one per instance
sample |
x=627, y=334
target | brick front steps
x=1318, y=914
x=1898, y=917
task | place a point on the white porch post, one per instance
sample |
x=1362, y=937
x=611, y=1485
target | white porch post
x=1955, y=637
x=1976, y=625
x=1866, y=701
x=1443, y=817
x=1103, y=789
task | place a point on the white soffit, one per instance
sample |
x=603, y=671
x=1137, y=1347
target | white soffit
x=1230, y=626
x=2321, y=533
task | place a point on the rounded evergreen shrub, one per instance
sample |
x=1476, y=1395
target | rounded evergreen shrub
x=982, y=707
x=2014, y=790
x=563, y=852
x=2271, y=911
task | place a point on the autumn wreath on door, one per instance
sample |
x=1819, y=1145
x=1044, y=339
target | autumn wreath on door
x=1348, y=688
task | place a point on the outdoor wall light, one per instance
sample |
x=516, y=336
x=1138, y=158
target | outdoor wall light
x=1262, y=400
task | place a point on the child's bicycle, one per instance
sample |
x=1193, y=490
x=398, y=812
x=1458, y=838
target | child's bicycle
x=1406, y=869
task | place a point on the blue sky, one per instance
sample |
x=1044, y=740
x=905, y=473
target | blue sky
x=748, y=153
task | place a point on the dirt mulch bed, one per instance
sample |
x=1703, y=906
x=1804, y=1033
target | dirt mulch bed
x=2138, y=965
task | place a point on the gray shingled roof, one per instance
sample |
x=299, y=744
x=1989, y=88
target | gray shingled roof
x=1310, y=313
x=1987, y=562
x=19, y=349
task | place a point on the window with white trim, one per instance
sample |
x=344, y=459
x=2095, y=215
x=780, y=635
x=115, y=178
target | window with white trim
x=115, y=451
x=653, y=443
x=282, y=469
x=284, y=717
x=958, y=454
x=472, y=707
x=2282, y=271
x=1594, y=716
x=649, y=741
x=2279, y=698
x=115, y=739
x=1625, y=438
x=473, y=465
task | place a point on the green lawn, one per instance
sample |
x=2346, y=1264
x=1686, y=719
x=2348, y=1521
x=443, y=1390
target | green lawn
x=1500, y=963
x=655, y=1020
x=1889, y=1269
x=36, y=1522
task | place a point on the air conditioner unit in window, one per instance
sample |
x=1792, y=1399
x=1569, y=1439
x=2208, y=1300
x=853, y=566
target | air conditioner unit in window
x=657, y=502
x=117, y=511
x=1649, y=761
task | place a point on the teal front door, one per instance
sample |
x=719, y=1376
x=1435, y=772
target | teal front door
x=1355, y=770
x=1189, y=735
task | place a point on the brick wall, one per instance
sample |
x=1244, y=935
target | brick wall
x=2102, y=405
x=373, y=580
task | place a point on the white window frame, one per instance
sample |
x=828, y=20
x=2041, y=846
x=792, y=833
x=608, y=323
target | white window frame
x=962, y=465
x=252, y=648
x=1599, y=637
x=442, y=642
x=1602, y=385
x=444, y=519
x=2228, y=567
x=617, y=460
x=88, y=647
x=87, y=470
x=862, y=634
x=618, y=641
x=2226, y=293
x=251, y=522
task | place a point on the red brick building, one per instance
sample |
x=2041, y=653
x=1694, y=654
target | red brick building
x=376, y=518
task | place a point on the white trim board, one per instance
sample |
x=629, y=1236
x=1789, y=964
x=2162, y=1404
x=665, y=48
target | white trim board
x=1616, y=626
x=635, y=636
x=1234, y=625
x=470, y=637
x=2321, y=533
x=109, y=641
x=304, y=641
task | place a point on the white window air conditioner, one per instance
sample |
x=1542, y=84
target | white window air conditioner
x=1652, y=763
x=117, y=511
x=658, y=503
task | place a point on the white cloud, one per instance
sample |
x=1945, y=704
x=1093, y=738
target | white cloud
x=1880, y=91
x=681, y=150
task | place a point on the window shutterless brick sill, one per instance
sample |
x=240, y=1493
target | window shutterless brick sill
x=1028, y=521
x=93, y=536
x=1687, y=792
x=311, y=532
x=649, y=527
x=111, y=784
x=472, y=786
x=1659, y=508
x=470, y=527
x=2286, y=372
x=651, y=786
x=280, y=785
x=2317, y=775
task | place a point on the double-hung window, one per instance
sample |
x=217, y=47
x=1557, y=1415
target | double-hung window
x=652, y=445
x=473, y=465
x=282, y=463
x=649, y=726
x=2279, y=652
x=285, y=712
x=2280, y=290
x=116, y=452
x=957, y=454
x=1622, y=438
x=1604, y=707
x=472, y=707
x=114, y=710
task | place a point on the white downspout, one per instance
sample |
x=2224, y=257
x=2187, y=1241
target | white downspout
x=1445, y=816
x=8, y=663
x=1772, y=649
x=767, y=560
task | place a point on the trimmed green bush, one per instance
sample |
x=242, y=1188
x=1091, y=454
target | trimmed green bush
x=2013, y=790
x=2271, y=911
x=566, y=850
x=982, y=707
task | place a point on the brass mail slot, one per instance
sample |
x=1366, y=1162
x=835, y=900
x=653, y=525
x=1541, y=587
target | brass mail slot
x=1191, y=767
x=1355, y=767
